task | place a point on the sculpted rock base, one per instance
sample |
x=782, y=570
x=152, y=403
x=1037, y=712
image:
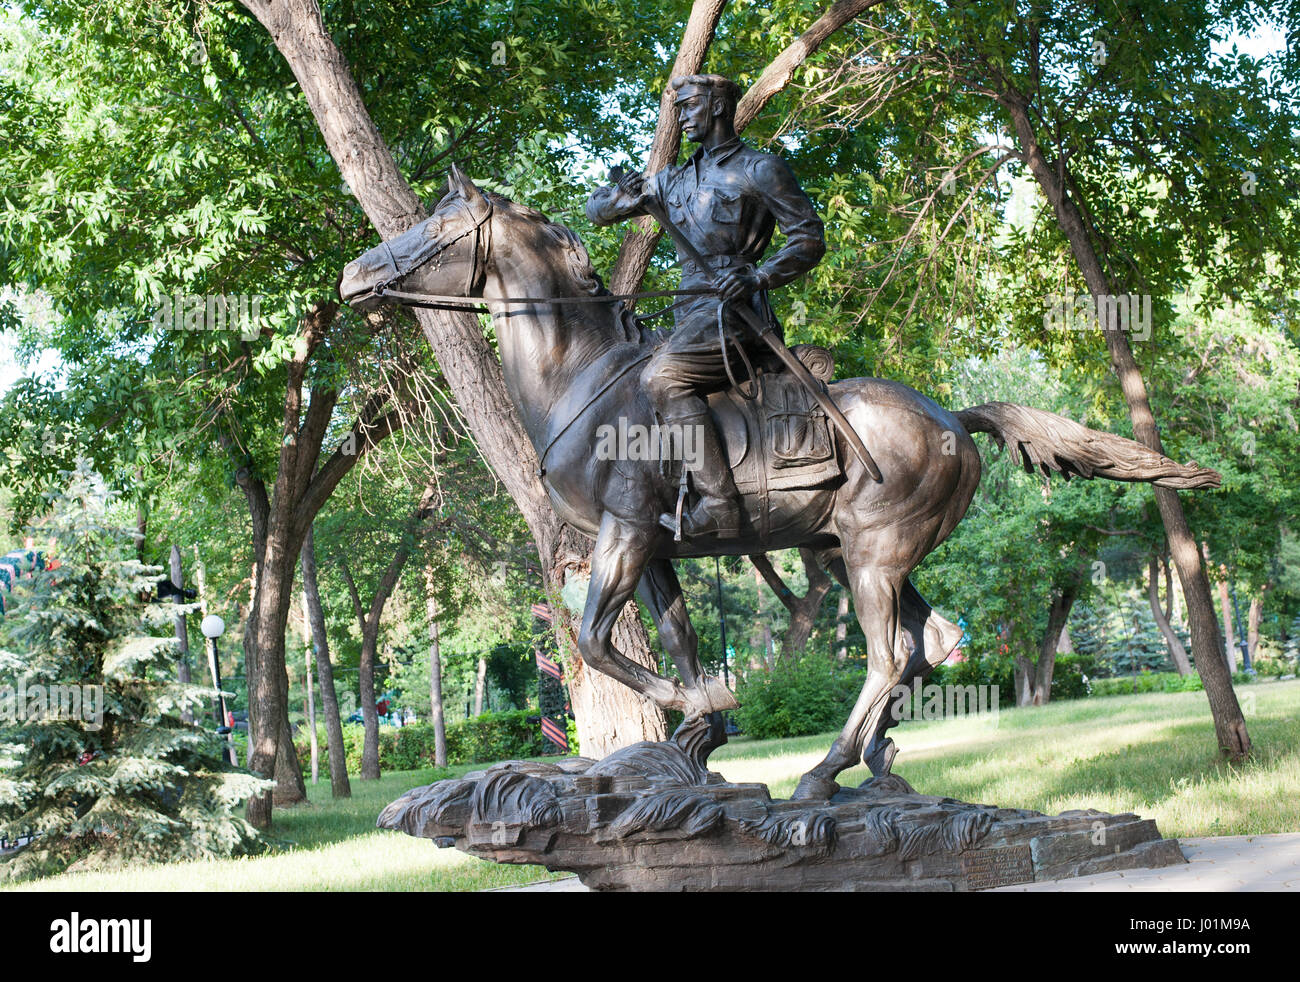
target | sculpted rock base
x=649, y=818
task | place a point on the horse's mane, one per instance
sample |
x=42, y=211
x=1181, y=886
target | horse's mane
x=577, y=260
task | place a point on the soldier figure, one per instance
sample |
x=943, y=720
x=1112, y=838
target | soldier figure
x=726, y=199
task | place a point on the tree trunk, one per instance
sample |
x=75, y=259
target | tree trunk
x=1229, y=723
x=436, y=714
x=591, y=703
x=339, y=784
x=1229, y=634
x=1252, y=628
x=1066, y=645
x=369, y=712
x=842, y=626
x=1024, y=679
x=369, y=625
x=803, y=610
x=1058, y=615
x=141, y=530
x=467, y=362
x=480, y=685
x=311, y=714
x=290, y=788
x=1171, y=598
x=1176, y=650
x=760, y=640
x=182, y=633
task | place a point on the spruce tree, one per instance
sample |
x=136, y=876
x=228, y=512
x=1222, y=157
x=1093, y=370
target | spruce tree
x=96, y=764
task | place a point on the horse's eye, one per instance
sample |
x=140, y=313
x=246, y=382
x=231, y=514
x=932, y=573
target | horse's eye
x=433, y=227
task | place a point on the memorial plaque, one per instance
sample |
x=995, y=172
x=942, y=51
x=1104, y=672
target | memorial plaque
x=988, y=868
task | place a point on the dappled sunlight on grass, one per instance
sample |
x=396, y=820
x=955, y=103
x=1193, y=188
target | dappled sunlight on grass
x=1151, y=754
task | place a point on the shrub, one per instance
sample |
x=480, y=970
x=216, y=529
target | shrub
x=1146, y=682
x=483, y=739
x=1069, y=678
x=992, y=670
x=799, y=697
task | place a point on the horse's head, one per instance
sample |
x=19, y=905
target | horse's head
x=446, y=254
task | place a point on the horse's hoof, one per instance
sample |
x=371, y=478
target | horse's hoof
x=814, y=788
x=717, y=697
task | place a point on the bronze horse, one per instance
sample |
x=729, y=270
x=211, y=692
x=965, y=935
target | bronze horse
x=569, y=368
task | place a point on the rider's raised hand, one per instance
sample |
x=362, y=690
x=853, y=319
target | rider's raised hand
x=632, y=190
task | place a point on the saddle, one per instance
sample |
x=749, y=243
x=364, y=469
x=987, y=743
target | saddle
x=781, y=440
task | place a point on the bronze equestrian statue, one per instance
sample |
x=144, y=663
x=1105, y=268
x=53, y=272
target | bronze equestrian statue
x=574, y=369
x=726, y=199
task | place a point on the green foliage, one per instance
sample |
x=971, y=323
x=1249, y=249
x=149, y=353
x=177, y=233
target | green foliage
x=481, y=739
x=1147, y=682
x=994, y=670
x=811, y=694
x=1122, y=636
x=124, y=779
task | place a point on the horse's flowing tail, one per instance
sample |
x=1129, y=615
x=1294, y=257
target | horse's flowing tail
x=1054, y=443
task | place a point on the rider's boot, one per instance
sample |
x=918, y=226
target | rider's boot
x=717, y=513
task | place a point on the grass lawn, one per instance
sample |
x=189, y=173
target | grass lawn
x=1151, y=754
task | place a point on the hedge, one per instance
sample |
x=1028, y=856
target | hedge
x=481, y=739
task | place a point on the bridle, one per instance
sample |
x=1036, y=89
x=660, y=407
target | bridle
x=474, y=278
x=481, y=228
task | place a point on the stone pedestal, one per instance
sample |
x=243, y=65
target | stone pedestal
x=649, y=818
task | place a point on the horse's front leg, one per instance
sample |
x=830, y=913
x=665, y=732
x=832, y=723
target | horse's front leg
x=617, y=562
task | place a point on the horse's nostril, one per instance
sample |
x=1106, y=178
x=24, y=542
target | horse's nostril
x=351, y=269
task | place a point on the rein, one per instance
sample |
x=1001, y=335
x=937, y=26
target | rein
x=470, y=304
x=439, y=301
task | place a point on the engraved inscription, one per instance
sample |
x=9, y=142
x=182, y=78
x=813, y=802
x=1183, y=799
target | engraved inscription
x=988, y=868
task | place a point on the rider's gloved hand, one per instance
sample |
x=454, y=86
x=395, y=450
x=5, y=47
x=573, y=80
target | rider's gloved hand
x=742, y=281
x=631, y=189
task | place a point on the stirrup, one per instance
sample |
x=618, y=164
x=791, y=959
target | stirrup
x=674, y=522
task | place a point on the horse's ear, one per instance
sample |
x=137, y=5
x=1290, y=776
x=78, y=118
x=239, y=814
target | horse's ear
x=462, y=185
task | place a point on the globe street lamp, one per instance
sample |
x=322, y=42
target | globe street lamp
x=213, y=627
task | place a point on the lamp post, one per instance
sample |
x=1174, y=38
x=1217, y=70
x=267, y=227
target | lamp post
x=213, y=627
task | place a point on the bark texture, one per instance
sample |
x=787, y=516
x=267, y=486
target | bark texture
x=436, y=714
x=1175, y=645
x=1051, y=175
x=340, y=787
x=464, y=357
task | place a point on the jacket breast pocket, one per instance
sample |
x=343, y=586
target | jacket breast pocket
x=675, y=210
x=726, y=207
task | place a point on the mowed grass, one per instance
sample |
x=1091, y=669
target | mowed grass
x=323, y=845
x=1151, y=754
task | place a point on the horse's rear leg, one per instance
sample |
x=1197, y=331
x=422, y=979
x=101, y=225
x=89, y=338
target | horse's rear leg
x=877, y=597
x=933, y=640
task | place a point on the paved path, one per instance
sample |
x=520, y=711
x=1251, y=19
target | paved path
x=1222, y=864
